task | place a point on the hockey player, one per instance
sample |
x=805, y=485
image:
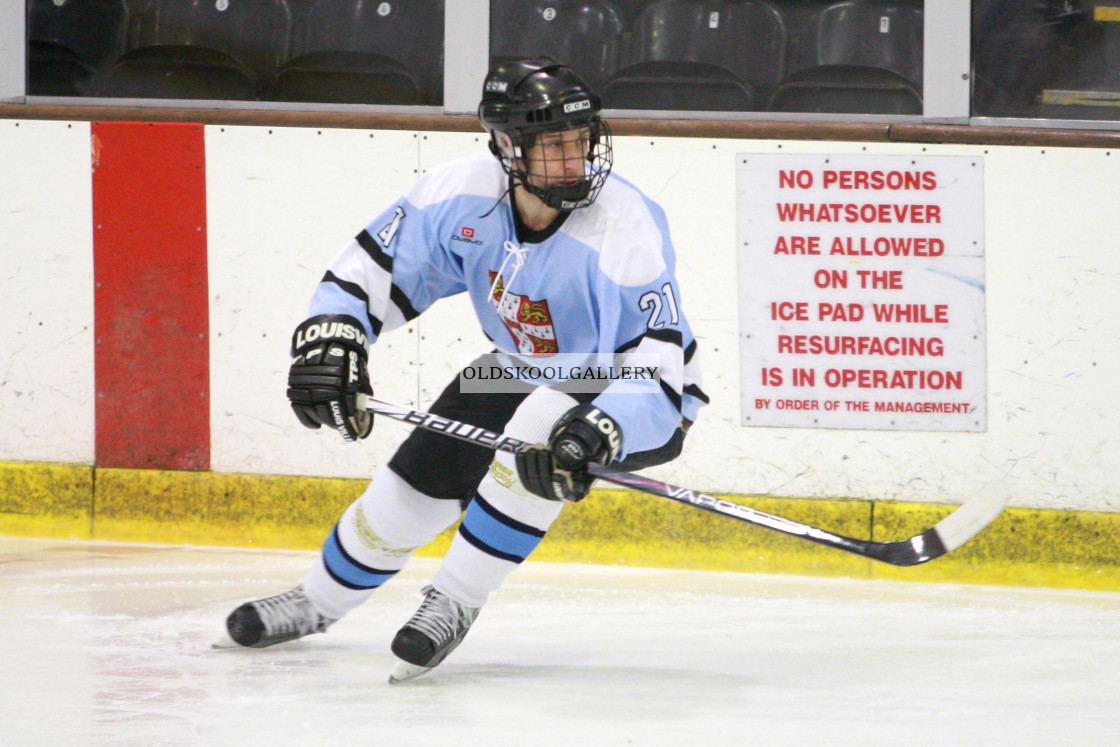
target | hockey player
x=556, y=260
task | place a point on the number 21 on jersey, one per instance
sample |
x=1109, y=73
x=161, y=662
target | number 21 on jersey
x=653, y=303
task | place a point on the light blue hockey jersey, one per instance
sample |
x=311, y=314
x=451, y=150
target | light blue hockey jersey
x=604, y=283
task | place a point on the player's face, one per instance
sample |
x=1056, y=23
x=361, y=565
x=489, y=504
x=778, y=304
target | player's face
x=559, y=159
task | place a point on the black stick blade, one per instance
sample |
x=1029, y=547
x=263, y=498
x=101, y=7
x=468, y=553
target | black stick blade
x=951, y=532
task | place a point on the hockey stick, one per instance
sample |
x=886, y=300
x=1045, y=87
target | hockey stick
x=947, y=535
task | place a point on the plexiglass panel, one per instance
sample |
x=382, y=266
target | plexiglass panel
x=320, y=51
x=1046, y=59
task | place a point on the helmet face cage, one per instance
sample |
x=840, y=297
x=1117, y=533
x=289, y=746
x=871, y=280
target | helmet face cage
x=596, y=166
x=525, y=99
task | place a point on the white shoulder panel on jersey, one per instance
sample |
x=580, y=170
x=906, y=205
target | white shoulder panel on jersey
x=619, y=226
x=476, y=174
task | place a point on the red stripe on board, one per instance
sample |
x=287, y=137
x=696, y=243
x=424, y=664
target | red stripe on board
x=151, y=301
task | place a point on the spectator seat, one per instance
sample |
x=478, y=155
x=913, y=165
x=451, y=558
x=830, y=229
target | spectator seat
x=201, y=49
x=362, y=52
x=846, y=89
x=884, y=34
x=586, y=35
x=744, y=38
x=868, y=60
x=68, y=40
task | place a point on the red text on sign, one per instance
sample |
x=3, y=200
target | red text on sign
x=836, y=212
x=788, y=311
x=886, y=247
x=911, y=313
x=893, y=180
x=798, y=245
x=880, y=279
x=839, y=312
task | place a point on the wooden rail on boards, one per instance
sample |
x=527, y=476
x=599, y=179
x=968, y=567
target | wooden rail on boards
x=753, y=129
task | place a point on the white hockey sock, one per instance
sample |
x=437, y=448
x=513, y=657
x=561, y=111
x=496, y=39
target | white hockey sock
x=496, y=535
x=373, y=540
x=505, y=522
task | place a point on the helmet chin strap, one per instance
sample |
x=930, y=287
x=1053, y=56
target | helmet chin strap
x=562, y=198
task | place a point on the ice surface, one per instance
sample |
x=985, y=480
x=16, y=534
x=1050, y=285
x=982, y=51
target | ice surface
x=109, y=644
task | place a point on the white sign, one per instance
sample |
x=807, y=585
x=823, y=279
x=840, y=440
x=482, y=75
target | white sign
x=861, y=291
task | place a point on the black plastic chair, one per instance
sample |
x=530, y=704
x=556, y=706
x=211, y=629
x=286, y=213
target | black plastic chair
x=360, y=52
x=583, y=34
x=678, y=86
x=868, y=60
x=884, y=34
x=67, y=40
x=206, y=49
x=178, y=72
x=746, y=38
x=345, y=78
x=846, y=89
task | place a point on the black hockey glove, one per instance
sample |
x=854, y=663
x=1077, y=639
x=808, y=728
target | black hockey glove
x=558, y=471
x=328, y=372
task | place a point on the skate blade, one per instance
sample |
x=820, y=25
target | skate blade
x=225, y=642
x=403, y=671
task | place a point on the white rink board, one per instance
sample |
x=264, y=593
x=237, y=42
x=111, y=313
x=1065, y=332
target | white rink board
x=861, y=291
x=46, y=292
x=282, y=203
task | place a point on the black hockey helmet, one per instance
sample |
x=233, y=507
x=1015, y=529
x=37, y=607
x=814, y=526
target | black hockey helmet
x=523, y=98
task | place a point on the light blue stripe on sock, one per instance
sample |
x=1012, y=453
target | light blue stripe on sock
x=499, y=532
x=348, y=571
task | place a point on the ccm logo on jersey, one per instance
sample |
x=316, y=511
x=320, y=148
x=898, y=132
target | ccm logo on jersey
x=577, y=106
x=330, y=331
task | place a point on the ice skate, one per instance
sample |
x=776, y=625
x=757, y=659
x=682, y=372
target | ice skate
x=434, y=631
x=266, y=622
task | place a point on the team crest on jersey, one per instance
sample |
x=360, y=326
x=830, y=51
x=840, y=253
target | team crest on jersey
x=528, y=321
